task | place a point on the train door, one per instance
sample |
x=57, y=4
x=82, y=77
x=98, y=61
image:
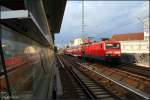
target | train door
x=103, y=49
x=100, y=53
x=93, y=50
x=97, y=48
x=88, y=47
x=90, y=50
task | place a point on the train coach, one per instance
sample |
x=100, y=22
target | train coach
x=104, y=50
x=74, y=51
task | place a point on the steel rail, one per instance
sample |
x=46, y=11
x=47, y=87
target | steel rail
x=85, y=88
x=129, y=88
x=61, y=62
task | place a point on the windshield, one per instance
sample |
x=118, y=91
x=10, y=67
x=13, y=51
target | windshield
x=114, y=45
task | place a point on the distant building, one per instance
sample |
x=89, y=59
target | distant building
x=146, y=29
x=132, y=42
x=128, y=37
x=77, y=42
x=134, y=47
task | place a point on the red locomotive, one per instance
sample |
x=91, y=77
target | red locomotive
x=104, y=50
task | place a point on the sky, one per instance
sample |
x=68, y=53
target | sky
x=102, y=19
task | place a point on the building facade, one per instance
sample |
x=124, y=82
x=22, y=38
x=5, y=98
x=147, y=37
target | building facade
x=76, y=42
x=134, y=48
x=146, y=29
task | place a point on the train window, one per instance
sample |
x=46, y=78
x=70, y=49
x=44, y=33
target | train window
x=112, y=45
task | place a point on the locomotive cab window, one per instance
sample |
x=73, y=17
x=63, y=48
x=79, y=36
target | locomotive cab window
x=112, y=46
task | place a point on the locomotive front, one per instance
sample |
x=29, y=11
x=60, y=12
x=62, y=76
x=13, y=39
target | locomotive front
x=112, y=51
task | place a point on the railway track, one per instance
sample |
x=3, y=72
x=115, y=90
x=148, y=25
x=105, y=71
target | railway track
x=135, y=69
x=125, y=68
x=84, y=87
x=123, y=83
x=131, y=68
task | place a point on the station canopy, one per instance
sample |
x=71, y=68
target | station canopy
x=44, y=16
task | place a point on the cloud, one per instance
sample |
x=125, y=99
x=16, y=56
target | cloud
x=102, y=19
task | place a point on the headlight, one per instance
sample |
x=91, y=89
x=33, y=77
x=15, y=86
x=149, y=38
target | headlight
x=108, y=52
x=117, y=52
